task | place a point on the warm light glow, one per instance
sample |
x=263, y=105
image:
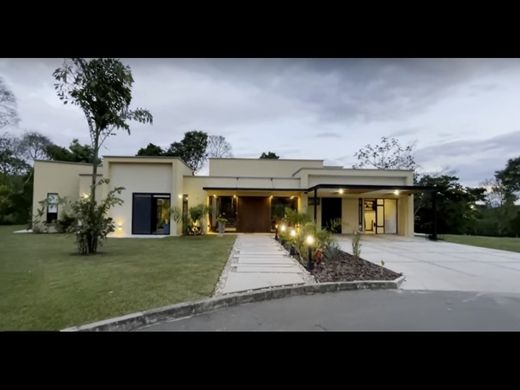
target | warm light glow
x=283, y=228
x=309, y=240
x=276, y=226
x=271, y=197
x=215, y=196
x=119, y=227
x=179, y=196
x=341, y=191
x=85, y=196
x=234, y=196
x=396, y=192
x=293, y=233
x=292, y=197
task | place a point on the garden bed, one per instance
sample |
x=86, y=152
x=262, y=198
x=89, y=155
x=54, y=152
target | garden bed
x=345, y=268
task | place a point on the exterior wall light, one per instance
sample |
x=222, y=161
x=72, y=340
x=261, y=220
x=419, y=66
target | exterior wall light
x=292, y=197
x=179, y=196
x=396, y=192
x=119, y=227
x=341, y=191
x=235, y=196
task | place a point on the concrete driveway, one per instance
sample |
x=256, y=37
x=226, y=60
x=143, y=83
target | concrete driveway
x=439, y=265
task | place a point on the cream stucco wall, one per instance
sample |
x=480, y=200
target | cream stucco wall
x=137, y=177
x=349, y=215
x=172, y=176
x=259, y=167
x=62, y=178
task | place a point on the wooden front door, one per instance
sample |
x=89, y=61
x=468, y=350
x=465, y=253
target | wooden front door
x=253, y=214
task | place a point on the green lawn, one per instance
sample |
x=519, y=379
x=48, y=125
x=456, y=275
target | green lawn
x=505, y=243
x=45, y=285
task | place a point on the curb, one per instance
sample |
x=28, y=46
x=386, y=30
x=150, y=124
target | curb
x=140, y=319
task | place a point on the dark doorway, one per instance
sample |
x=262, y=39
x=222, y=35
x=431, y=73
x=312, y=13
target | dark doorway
x=150, y=213
x=331, y=214
x=253, y=214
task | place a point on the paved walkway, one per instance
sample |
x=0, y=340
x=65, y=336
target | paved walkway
x=440, y=265
x=377, y=310
x=258, y=261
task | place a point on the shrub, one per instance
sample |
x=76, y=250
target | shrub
x=331, y=252
x=356, y=244
x=91, y=224
x=65, y=222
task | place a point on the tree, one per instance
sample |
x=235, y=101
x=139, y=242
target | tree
x=10, y=162
x=457, y=210
x=151, y=150
x=218, y=147
x=192, y=149
x=269, y=156
x=389, y=154
x=75, y=153
x=510, y=177
x=102, y=88
x=33, y=146
x=8, y=111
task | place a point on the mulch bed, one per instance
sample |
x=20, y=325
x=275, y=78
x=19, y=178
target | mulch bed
x=344, y=268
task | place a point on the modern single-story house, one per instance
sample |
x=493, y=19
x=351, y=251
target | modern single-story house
x=249, y=193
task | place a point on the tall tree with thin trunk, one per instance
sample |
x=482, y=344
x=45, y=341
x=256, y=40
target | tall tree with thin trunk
x=102, y=88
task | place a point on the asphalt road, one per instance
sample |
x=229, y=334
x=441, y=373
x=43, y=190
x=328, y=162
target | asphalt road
x=365, y=310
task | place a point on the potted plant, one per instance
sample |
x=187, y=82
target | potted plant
x=221, y=225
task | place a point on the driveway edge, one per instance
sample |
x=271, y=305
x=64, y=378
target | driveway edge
x=139, y=319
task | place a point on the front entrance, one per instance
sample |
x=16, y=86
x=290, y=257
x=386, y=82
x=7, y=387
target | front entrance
x=380, y=216
x=331, y=214
x=253, y=214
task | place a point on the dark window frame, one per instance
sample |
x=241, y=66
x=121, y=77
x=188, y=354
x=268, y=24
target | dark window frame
x=47, y=214
x=151, y=194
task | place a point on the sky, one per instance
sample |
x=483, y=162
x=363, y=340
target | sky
x=462, y=115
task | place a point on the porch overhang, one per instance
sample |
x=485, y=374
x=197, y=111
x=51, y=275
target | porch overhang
x=253, y=189
x=372, y=187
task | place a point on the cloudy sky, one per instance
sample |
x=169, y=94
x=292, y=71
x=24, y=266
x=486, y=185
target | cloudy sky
x=462, y=114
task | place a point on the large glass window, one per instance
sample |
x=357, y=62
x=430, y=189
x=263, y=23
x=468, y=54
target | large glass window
x=52, y=207
x=151, y=214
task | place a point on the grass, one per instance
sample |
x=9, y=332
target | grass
x=504, y=243
x=45, y=285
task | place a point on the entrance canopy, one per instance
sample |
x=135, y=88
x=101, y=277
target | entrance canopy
x=366, y=189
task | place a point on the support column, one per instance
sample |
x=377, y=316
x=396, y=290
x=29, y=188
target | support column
x=315, y=205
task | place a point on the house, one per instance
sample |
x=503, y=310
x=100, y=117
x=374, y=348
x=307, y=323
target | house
x=249, y=193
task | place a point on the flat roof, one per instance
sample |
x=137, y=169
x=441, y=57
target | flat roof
x=264, y=159
x=373, y=187
x=251, y=189
x=66, y=162
x=166, y=158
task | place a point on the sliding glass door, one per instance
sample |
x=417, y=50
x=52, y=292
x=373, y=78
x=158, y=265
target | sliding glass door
x=150, y=213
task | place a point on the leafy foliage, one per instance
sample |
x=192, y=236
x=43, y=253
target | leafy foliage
x=191, y=149
x=269, y=156
x=8, y=109
x=389, y=154
x=91, y=222
x=151, y=150
x=509, y=177
x=457, y=212
x=33, y=146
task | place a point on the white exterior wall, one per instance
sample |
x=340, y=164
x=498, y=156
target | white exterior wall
x=149, y=178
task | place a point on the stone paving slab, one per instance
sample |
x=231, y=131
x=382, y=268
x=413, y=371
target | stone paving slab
x=258, y=261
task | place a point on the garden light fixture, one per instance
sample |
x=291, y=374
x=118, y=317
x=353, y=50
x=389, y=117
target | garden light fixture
x=283, y=228
x=293, y=233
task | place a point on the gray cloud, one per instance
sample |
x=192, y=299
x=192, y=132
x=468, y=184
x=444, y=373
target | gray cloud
x=330, y=134
x=303, y=108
